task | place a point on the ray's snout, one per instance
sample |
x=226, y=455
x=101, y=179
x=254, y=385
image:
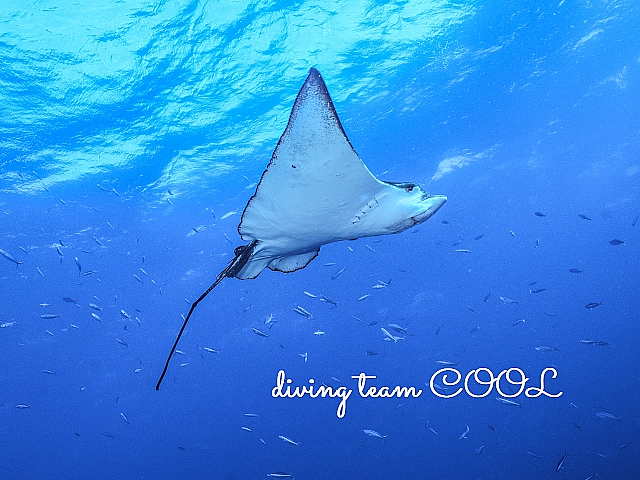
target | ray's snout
x=432, y=204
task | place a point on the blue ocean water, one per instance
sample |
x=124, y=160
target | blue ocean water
x=132, y=136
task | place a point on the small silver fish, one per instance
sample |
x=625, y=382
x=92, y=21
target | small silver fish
x=337, y=274
x=561, y=462
x=397, y=328
x=326, y=299
x=288, y=440
x=607, y=416
x=575, y=425
x=260, y=332
x=592, y=305
x=508, y=300
x=373, y=433
x=228, y=214
x=506, y=401
x=301, y=311
x=389, y=337
x=546, y=348
x=447, y=363
x=9, y=257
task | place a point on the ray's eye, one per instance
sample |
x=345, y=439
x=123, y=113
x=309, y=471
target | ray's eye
x=409, y=188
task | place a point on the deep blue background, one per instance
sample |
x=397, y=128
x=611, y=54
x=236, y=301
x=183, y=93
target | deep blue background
x=177, y=107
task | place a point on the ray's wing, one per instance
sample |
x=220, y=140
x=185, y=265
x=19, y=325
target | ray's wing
x=314, y=184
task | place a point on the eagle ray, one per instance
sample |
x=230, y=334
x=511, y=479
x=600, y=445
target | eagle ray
x=315, y=191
